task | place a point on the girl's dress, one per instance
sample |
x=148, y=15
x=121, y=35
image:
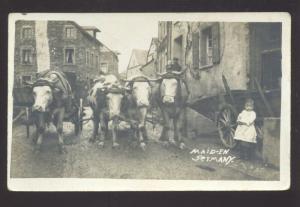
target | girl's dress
x=246, y=133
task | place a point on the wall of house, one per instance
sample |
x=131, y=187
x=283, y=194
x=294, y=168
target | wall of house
x=112, y=61
x=135, y=71
x=233, y=64
x=19, y=68
x=82, y=43
x=57, y=43
x=149, y=69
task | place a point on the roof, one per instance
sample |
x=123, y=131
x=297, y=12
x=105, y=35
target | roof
x=155, y=41
x=90, y=28
x=85, y=32
x=140, y=56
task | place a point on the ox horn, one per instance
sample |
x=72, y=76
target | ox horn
x=178, y=72
x=161, y=74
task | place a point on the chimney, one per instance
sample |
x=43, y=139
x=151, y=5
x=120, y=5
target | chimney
x=91, y=30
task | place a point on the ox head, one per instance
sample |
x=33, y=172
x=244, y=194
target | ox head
x=169, y=86
x=43, y=91
x=140, y=89
x=111, y=93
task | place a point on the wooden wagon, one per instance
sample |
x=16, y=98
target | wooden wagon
x=224, y=108
x=23, y=99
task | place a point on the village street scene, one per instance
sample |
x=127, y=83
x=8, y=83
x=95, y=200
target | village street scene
x=201, y=101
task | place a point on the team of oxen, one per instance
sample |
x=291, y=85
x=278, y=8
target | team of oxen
x=116, y=105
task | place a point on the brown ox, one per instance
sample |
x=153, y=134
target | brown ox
x=171, y=95
x=51, y=94
x=105, y=99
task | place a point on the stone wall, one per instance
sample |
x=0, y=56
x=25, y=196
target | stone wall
x=111, y=59
x=82, y=43
x=57, y=43
x=19, y=68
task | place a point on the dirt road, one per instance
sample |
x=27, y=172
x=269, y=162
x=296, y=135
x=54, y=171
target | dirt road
x=86, y=160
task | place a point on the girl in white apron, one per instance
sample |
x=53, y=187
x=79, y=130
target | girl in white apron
x=245, y=132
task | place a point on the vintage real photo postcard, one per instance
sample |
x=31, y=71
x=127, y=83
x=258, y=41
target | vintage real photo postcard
x=149, y=101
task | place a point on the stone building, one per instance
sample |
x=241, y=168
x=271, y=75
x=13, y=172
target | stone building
x=58, y=45
x=242, y=52
x=109, y=61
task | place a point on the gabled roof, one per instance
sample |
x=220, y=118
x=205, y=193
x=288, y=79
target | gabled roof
x=139, y=57
x=85, y=32
x=155, y=41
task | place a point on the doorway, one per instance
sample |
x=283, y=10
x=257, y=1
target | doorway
x=271, y=69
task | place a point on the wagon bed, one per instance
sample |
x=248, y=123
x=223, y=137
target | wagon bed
x=23, y=99
x=223, y=108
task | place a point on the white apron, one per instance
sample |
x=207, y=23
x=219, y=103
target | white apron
x=247, y=132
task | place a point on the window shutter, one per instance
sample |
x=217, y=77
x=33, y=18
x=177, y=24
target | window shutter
x=195, y=43
x=216, y=42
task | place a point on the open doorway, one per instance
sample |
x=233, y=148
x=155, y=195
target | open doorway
x=271, y=69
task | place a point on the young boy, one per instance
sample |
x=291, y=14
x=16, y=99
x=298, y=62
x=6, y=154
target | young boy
x=245, y=132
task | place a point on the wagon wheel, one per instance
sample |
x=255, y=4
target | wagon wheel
x=79, y=116
x=226, y=123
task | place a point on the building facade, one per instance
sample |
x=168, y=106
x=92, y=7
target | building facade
x=109, y=61
x=58, y=45
x=242, y=52
x=150, y=68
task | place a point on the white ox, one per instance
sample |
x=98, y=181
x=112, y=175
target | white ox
x=138, y=103
x=105, y=99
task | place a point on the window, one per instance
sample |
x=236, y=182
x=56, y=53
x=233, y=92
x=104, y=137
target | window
x=104, y=67
x=70, y=32
x=26, y=56
x=206, y=47
x=27, y=32
x=69, y=56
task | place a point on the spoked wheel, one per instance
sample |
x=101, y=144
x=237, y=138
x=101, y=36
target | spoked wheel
x=79, y=116
x=226, y=124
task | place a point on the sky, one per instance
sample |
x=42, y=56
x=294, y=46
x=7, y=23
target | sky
x=122, y=34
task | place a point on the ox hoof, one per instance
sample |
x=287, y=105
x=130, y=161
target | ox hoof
x=101, y=144
x=115, y=145
x=143, y=146
x=182, y=145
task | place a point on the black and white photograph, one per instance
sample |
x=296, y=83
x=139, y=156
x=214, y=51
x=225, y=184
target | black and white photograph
x=148, y=101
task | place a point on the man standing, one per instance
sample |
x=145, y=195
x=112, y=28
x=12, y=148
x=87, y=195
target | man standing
x=175, y=65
